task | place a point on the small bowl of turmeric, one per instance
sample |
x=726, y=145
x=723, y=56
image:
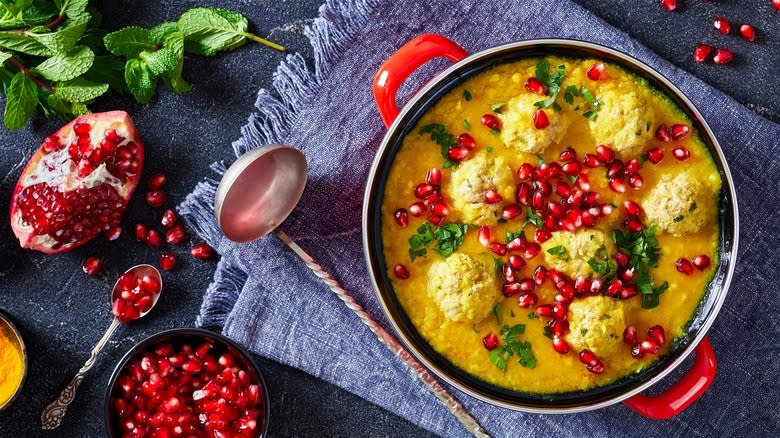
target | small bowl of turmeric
x=13, y=361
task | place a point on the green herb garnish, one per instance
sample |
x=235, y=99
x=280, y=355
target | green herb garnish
x=467, y=95
x=449, y=237
x=497, y=312
x=496, y=107
x=678, y=218
x=420, y=241
x=643, y=253
x=444, y=139
x=533, y=218
x=570, y=93
x=692, y=207
x=592, y=103
x=512, y=346
x=552, y=80
x=489, y=149
x=466, y=125
x=533, y=315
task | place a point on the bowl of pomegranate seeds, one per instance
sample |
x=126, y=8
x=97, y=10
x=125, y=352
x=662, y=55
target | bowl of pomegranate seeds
x=187, y=382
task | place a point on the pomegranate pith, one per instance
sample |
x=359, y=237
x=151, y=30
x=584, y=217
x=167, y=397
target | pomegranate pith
x=73, y=188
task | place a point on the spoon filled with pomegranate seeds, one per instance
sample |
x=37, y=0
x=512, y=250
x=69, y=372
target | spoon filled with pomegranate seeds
x=134, y=295
x=256, y=195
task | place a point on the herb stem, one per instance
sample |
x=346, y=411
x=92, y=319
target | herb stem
x=15, y=62
x=264, y=41
x=56, y=22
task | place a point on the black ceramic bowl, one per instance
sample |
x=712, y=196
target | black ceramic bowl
x=194, y=337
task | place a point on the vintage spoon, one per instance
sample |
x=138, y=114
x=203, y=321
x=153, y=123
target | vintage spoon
x=256, y=194
x=52, y=415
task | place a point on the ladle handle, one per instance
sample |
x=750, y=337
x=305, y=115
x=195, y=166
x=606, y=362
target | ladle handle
x=449, y=400
x=52, y=415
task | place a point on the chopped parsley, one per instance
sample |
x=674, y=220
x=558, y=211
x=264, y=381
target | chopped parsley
x=443, y=138
x=489, y=149
x=678, y=218
x=583, y=331
x=547, y=332
x=601, y=264
x=467, y=95
x=513, y=346
x=643, y=253
x=496, y=107
x=495, y=131
x=466, y=125
x=593, y=104
x=552, y=80
x=510, y=236
x=497, y=312
x=570, y=93
x=693, y=206
x=533, y=315
x=533, y=218
x=448, y=238
x=418, y=242
x=560, y=252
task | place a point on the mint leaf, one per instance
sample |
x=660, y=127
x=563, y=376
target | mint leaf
x=168, y=57
x=71, y=8
x=79, y=90
x=39, y=13
x=110, y=70
x=4, y=56
x=140, y=80
x=66, y=66
x=21, y=99
x=64, y=39
x=23, y=44
x=211, y=30
x=158, y=33
x=129, y=42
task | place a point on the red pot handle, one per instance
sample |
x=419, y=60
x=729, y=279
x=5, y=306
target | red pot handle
x=403, y=63
x=684, y=392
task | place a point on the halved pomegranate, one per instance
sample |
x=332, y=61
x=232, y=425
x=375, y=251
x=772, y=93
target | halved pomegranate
x=78, y=183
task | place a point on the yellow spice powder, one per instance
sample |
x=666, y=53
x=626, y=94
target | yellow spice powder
x=11, y=364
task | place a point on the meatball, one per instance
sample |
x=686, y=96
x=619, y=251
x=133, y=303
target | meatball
x=518, y=128
x=570, y=252
x=464, y=288
x=624, y=121
x=596, y=323
x=680, y=203
x=468, y=184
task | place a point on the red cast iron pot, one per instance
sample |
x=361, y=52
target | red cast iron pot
x=665, y=405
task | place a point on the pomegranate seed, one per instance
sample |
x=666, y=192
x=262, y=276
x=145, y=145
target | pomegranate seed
x=663, y=133
x=483, y=234
x=535, y=86
x=492, y=197
x=401, y=272
x=558, y=310
x=465, y=140
x=175, y=235
x=81, y=128
x=435, y=220
x=527, y=285
x=636, y=181
x=595, y=286
x=701, y=52
x=684, y=266
x=434, y=174
x=457, y=153
x=655, y=155
x=156, y=181
x=401, y=218
x=525, y=171
x=201, y=251
x=614, y=287
x=615, y=169
x=630, y=335
x=92, y=266
x=439, y=209
x=722, y=25
x=511, y=211
x=649, y=345
x=113, y=234
x=723, y=56
x=591, y=361
x=531, y=250
x=153, y=239
x=681, y=153
x=776, y=4
x=168, y=218
x=633, y=225
x=627, y=274
x=168, y=261
x=679, y=131
x=491, y=121
x=508, y=271
x=560, y=345
x=516, y=262
x=595, y=71
x=617, y=184
x=632, y=208
x=701, y=262
x=590, y=161
x=559, y=327
x=540, y=119
x=669, y=5
x=583, y=182
x=510, y=289
x=498, y=248
x=156, y=198
x=541, y=236
x=621, y=259
x=747, y=32
x=636, y=351
x=568, y=154
x=632, y=166
x=417, y=209
x=572, y=168
x=423, y=190
x=545, y=310
x=490, y=341
x=540, y=274
x=656, y=332
x=527, y=300
x=604, y=154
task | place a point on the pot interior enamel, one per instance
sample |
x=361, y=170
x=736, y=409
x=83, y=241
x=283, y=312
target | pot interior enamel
x=559, y=402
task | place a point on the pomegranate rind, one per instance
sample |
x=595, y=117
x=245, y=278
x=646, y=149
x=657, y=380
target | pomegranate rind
x=69, y=178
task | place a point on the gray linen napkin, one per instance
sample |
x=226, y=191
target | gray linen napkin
x=265, y=298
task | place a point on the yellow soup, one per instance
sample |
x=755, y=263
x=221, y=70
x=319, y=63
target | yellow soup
x=470, y=290
x=11, y=364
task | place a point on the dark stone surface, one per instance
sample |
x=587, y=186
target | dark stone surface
x=62, y=312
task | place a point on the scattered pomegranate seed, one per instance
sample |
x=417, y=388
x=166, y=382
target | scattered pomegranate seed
x=540, y=119
x=492, y=197
x=113, y=234
x=401, y=272
x=433, y=176
x=400, y=216
x=776, y=4
x=701, y=52
x=568, y=154
x=701, y=262
x=636, y=181
x=632, y=208
x=511, y=211
x=153, y=239
x=175, y=235
x=722, y=25
x=663, y=133
x=92, y=266
x=595, y=71
x=591, y=361
x=747, y=32
x=490, y=341
x=510, y=289
x=535, y=86
x=560, y=345
x=157, y=181
x=465, y=140
x=140, y=232
x=632, y=166
x=525, y=171
x=650, y=346
x=423, y=190
x=617, y=184
x=541, y=236
x=590, y=161
x=417, y=209
x=633, y=225
x=457, y=153
x=684, y=266
x=540, y=274
x=491, y=121
x=621, y=259
x=655, y=155
x=167, y=261
x=680, y=131
x=630, y=335
x=636, y=351
x=483, y=235
x=156, y=198
x=168, y=218
x=656, y=332
x=723, y=56
x=516, y=262
x=439, y=209
x=669, y=5
x=498, y=248
x=201, y=251
x=681, y=153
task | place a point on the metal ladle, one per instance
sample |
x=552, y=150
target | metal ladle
x=256, y=195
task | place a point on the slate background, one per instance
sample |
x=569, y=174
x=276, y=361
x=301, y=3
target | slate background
x=62, y=312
